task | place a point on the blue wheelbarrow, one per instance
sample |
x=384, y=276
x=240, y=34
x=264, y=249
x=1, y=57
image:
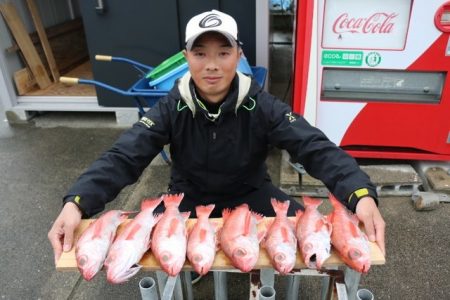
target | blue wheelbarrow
x=145, y=92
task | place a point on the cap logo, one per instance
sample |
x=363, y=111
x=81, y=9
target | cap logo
x=211, y=20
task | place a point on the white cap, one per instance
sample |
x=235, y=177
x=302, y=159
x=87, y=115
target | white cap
x=213, y=20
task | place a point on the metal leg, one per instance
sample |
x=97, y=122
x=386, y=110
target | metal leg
x=352, y=279
x=327, y=285
x=267, y=277
x=161, y=278
x=147, y=286
x=292, y=287
x=266, y=293
x=186, y=282
x=220, y=285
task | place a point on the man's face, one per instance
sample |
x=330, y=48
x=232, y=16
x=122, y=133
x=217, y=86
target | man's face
x=212, y=63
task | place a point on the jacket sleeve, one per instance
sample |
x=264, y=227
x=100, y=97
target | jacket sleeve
x=123, y=163
x=320, y=157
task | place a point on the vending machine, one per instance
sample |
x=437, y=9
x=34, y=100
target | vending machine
x=374, y=75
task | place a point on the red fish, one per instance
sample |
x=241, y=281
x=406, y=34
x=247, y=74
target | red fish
x=201, y=248
x=94, y=243
x=348, y=239
x=313, y=234
x=239, y=237
x=131, y=244
x=280, y=241
x=170, y=236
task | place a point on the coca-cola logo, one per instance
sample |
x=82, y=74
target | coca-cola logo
x=211, y=20
x=377, y=23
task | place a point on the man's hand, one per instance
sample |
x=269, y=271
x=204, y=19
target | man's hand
x=368, y=213
x=61, y=233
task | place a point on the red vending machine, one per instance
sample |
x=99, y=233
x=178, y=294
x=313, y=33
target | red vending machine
x=374, y=75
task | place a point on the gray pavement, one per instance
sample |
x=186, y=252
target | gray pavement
x=40, y=164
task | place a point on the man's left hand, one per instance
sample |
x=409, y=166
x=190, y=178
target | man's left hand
x=368, y=213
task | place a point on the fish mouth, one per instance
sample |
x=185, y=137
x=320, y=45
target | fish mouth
x=122, y=277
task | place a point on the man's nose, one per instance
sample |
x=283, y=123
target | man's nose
x=212, y=65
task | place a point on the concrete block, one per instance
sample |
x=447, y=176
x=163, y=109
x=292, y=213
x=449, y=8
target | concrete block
x=439, y=179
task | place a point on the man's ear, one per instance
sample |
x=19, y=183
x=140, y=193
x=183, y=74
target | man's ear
x=184, y=52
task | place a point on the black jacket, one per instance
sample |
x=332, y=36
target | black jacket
x=219, y=154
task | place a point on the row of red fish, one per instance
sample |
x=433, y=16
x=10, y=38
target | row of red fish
x=239, y=239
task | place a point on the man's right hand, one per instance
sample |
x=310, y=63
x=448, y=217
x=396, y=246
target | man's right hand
x=61, y=233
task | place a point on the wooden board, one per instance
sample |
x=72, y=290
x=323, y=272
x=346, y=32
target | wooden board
x=43, y=38
x=22, y=38
x=24, y=81
x=59, y=89
x=67, y=262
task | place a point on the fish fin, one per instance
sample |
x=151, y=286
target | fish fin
x=150, y=203
x=354, y=230
x=308, y=201
x=204, y=210
x=173, y=226
x=262, y=234
x=298, y=215
x=259, y=217
x=226, y=214
x=280, y=207
x=203, y=233
x=97, y=228
x=173, y=199
x=319, y=224
x=185, y=215
x=247, y=223
x=285, y=234
x=133, y=231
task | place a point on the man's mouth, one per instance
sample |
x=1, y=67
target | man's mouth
x=211, y=79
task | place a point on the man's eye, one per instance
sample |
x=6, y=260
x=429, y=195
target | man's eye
x=199, y=54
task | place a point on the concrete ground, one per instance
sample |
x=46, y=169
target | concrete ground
x=40, y=163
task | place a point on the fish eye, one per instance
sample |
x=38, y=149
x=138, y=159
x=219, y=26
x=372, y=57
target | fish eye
x=82, y=260
x=354, y=254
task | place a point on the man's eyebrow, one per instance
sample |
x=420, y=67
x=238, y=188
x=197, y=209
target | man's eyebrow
x=204, y=46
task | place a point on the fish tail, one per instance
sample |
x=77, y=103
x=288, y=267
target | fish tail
x=280, y=207
x=204, y=210
x=173, y=199
x=308, y=201
x=150, y=203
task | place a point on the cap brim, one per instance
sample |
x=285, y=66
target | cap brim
x=228, y=36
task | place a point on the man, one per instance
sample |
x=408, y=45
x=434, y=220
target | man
x=220, y=125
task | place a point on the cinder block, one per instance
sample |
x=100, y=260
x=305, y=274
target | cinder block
x=439, y=179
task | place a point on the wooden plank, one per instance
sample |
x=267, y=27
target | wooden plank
x=44, y=40
x=22, y=38
x=24, y=81
x=52, y=32
x=67, y=262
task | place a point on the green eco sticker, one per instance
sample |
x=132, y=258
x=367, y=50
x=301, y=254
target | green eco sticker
x=342, y=58
x=373, y=59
